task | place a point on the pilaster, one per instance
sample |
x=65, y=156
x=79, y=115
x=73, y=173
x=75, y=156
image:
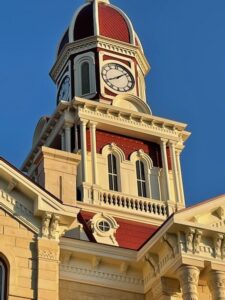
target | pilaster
x=175, y=172
x=165, y=168
x=48, y=269
x=94, y=153
x=83, y=138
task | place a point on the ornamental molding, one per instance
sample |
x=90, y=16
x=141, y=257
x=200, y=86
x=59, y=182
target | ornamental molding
x=102, y=43
x=98, y=276
x=135, y=122
x=50, y=226
x=48, y=254
x=18, y=210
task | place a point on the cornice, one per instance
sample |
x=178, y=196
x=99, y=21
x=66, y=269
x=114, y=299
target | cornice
x=98, y=42
x=135, y=121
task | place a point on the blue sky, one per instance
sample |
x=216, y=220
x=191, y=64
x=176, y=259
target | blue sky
x=184, y=43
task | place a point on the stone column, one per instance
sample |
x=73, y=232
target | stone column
x=188, y=277
x=62, y=140
x=76, y=138
x=216, y=283
x=94, y=153
x=175, y=173
x=68, y=137
x=178, y=152
x=83, y=139
x=165, y=168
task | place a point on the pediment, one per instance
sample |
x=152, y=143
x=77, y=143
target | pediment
x=131, y=102
x=29, y=203
x=210, y=213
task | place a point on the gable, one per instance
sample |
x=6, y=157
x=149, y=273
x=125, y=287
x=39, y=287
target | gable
x=29, y=203
x=210, y=213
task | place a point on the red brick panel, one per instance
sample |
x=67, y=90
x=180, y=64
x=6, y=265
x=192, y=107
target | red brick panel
x=127, y=144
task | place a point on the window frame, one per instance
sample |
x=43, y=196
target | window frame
x=112, y=172
x=79, y=60
x=141, y=178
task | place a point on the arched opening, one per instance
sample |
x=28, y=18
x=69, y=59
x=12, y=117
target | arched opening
x=141, y=181
x=112, y=172
x=85, y=78
x=3, y=280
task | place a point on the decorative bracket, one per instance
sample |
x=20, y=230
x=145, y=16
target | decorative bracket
x=153, y=261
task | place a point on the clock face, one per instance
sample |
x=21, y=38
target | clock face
x=117, y=77
x=64, y=90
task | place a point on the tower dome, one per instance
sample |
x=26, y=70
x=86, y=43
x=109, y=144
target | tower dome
x=99, y=18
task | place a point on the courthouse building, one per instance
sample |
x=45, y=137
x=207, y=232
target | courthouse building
x=97, y=210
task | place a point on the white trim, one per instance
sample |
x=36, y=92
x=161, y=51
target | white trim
x=96, y=18
x=120, y=157
x=115, y=59
x=88, y=57
x=67, y=74
x=148, y=165
x=57, y=48
x=73, y=22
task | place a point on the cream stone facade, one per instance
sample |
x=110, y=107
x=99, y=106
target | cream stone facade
x=98, y=209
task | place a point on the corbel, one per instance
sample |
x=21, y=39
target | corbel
x=223, y=248
x=96, y=260
x=54, y=227
x=153, y=261
x=171, y=241
x=197, y=240
x=45, y=224
x=11, y=185
x=189, y=236
x=218, y=241
x=123, y=268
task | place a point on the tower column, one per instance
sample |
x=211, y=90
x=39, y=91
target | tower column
x=62, y=134
x=216, y=283
x=175, y=172
x=83, y=138
x=68, y=137
x=165, y=167
x=188, y=277
x=76, y=138
x=178, y=152
x=94, y=152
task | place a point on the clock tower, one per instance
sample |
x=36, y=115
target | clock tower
x=103, y=149
x=100, y=57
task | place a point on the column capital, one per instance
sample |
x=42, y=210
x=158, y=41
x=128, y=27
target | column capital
x=68, y=124
x=216, y=283
x=83, y=121
x=93, y=124
x=188, y=277
x=163, y=141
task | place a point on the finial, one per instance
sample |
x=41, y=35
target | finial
x=103, y=1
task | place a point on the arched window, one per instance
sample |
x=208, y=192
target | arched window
x=2, y=281
x=112, y=171
x=85, y=78
x=85, y=75
x=141, y=182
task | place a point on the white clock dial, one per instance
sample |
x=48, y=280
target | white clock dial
x=117, y=77
x=64, y=90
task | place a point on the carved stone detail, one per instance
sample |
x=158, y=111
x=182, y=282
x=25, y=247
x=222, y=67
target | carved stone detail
x=216, y=283
x=54, y=234
x=171, y=241
x=218, y=241
x=188, y=277
x=48, y=254
x=189, y=235
x=45, y=225
x=197, y=240
x=153, y=261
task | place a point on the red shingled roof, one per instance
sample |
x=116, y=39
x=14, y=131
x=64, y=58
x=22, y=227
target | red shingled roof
x=130, y=235
x=112, y=24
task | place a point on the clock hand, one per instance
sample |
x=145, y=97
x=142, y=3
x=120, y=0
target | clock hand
x=117, y=77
